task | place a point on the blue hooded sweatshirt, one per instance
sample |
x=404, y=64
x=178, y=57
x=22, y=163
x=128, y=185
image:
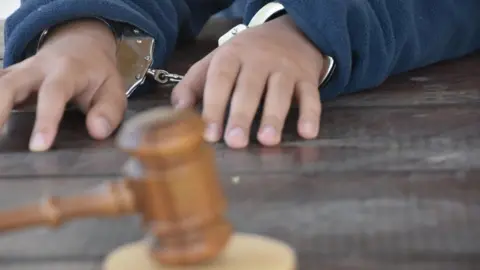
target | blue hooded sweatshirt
x=369, y=39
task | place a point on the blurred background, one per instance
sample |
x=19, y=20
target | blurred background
x=7, y=7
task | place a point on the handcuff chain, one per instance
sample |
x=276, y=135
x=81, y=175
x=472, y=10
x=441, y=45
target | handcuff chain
x=164, y=77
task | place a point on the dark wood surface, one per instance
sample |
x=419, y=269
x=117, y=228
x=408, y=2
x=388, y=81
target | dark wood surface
x=391, y=182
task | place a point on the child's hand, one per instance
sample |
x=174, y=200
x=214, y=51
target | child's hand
x=274, y=57
x=77, y=63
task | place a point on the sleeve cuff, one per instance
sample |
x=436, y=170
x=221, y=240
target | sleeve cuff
x=24, y=28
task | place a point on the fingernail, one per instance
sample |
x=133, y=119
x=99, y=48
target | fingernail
x=38, y=142
x=236, y=137
x=309, y=129
x=236, y=132
x=101, y=126
x=212, y=132
x=180, y=104
x=268, y=131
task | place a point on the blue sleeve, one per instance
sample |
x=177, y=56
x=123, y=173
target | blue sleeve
x=373, y=39
x=166, y=20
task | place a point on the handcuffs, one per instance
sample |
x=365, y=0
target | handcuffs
x=135, y=50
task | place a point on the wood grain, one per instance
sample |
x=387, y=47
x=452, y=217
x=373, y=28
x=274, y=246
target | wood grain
x=339, y=220
x=374, y=138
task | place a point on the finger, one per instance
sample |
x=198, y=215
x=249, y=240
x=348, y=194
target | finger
x=6, y=100
x=14, y=88
x=221, y=78
x=53, y=94
x=244, y=105
x=21, y=81
x=277, y=105
x=107, y=108
x=3, y=72
x=186, y=92
x=310, y=110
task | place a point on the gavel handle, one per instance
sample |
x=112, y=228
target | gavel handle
x=118, y=200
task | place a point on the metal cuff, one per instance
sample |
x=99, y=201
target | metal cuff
x=266, y=13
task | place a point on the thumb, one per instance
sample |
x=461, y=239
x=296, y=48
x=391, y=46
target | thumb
x=107, y=109
x=190, y=88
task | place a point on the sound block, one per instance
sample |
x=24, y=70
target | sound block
x=243, y=252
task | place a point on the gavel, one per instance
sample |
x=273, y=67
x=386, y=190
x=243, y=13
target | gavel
x=170, y=180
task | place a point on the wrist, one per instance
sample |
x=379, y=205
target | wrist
x=94, y=31
x=275, y=10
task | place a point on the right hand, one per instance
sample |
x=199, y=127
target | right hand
x=77, y=62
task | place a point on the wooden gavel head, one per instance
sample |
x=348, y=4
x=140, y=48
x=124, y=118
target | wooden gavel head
x=170, y=180
x=172, y=172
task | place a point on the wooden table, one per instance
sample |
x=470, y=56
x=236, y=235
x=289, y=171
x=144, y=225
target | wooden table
x=391, y=183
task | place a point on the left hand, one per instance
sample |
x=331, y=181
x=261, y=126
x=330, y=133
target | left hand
x=275, y=57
